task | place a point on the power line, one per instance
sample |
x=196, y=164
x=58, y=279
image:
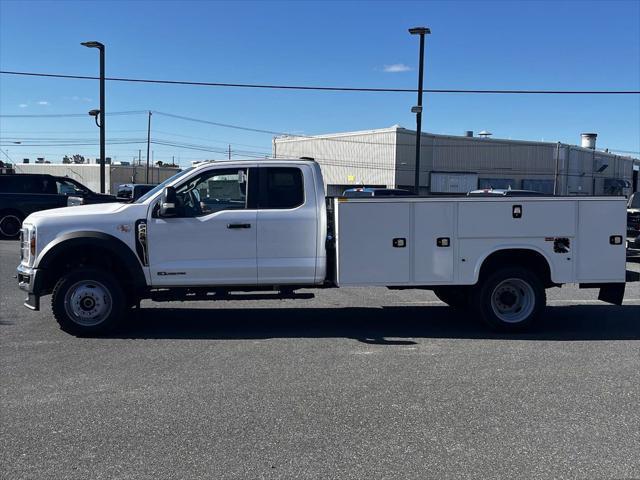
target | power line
x=218, y=124
x=59, y=115
x=330, y=89
x=71, y=144
x=65, y=132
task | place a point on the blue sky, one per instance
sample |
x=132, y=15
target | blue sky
x=504, y=45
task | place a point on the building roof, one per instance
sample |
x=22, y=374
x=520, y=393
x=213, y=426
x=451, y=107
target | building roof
x=398, y=128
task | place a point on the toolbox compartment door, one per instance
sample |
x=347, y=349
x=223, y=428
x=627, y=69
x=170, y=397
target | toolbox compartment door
x=374, y=247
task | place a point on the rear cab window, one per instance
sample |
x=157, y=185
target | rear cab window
x=281, y=187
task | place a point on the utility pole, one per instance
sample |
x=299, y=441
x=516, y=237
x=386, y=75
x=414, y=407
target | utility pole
x=421, y=31
x=555, y=177
x=139, y=156
x=148, y=145
x=229, y=151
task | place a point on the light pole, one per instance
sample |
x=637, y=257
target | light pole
x=101, y=112
x=422, y=31
x=146, y=178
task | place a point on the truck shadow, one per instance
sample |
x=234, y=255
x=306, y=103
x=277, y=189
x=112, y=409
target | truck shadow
x=382, y=326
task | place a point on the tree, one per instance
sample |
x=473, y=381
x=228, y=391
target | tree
x=77, y=158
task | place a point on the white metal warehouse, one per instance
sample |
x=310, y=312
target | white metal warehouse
x=457, y=164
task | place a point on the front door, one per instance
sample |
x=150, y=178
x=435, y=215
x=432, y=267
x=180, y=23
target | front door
x=212, y=241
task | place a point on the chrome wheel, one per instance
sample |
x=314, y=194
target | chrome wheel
x=10, y=225
x=513, y=300
x=88, y=303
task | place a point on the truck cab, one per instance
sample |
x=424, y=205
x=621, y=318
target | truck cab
x=263, y=221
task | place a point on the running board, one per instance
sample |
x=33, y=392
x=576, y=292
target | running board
x=172, y=296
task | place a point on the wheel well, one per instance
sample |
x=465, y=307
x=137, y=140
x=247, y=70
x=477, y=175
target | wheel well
x=529, y=259
x=72, y=257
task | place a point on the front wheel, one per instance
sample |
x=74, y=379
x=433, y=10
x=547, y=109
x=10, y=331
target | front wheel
x=10, y=224
x=88, y=302
x=510, y=299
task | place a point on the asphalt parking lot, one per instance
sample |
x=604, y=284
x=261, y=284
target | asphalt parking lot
x=355, y=383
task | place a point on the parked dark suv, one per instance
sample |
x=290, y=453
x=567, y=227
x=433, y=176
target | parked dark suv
x=23, y=193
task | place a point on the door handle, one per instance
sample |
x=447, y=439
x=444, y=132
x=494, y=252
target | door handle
x=239, y=225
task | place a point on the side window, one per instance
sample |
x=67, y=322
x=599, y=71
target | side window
x=212, y=192
x=36, y=184
x=8, y=184
x=65, y=188
x=283, y=187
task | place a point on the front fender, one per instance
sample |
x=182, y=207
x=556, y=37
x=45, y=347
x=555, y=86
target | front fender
x=86, y=240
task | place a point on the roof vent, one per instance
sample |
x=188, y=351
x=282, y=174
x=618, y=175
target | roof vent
x=468, y=133
x=588, y=140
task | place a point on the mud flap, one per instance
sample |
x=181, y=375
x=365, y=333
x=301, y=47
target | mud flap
x=32, y=302
x=612, y=293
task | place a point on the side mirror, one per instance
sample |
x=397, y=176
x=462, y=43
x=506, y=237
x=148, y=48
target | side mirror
x=168, y=207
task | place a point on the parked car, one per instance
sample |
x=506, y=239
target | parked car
x=376, y=192
x=23, y=193
x=505, y=192
x=633, y=225
x=133, y=191
x=267, y=226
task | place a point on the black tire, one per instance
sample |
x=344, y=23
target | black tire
x=89, y=292
x=511, y=299
x=456, y=297
x=10, y=224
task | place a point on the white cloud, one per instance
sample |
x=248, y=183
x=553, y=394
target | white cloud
x=396, y=67
x=23, y=105
x=43, y=102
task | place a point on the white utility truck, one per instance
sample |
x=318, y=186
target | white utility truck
x=221, y=228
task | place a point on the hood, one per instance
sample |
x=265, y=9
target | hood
x=115, y=219
x=79, y=211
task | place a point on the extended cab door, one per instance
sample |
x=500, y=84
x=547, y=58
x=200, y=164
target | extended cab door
x=287, y=225
x=212, y=241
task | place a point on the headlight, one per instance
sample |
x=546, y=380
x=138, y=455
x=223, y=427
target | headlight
x=28, y=245
x=74, y=201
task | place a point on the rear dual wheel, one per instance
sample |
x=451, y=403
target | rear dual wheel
x=510, y=299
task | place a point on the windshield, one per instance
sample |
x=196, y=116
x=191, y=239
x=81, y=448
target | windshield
x=160, y=186
x=634, y=201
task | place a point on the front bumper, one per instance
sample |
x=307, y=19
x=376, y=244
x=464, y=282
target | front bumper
x=29, y=280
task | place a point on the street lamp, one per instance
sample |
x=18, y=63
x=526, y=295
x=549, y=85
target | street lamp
x=95, y=114
x=422, y=31
x=101, y=111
